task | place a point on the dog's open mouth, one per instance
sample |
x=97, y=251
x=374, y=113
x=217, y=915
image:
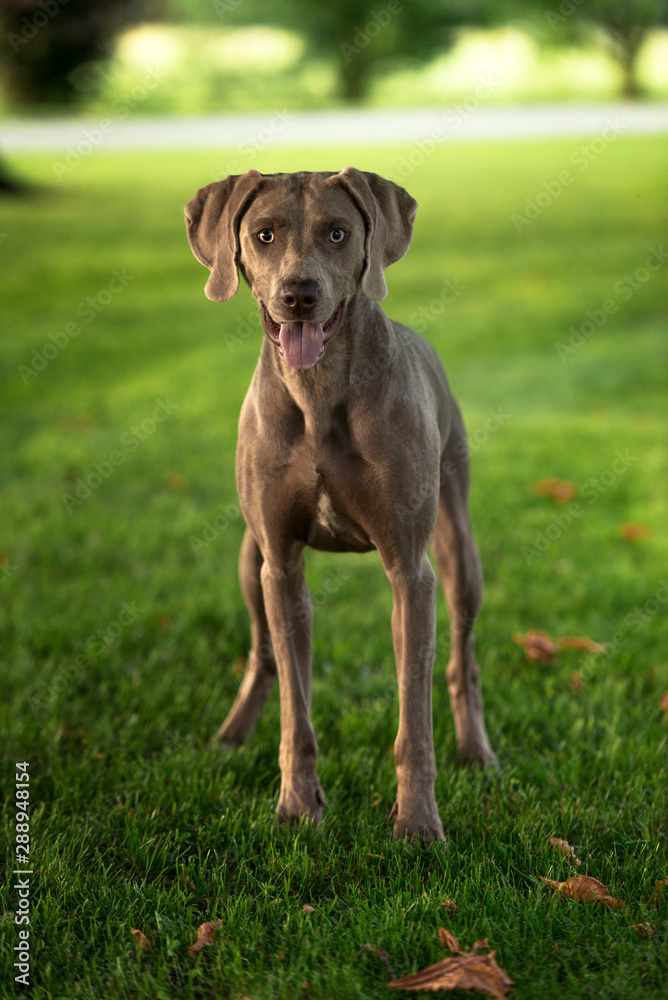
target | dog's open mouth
x=302, y=344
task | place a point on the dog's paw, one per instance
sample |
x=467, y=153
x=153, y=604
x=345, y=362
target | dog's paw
x=305, y=801
x=473, y=754
x=423, y=826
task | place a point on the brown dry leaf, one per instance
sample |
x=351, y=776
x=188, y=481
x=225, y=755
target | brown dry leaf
x=634, y=532
x=469, y=971
x=205, y=934
x=576, y=681
x=537, y=645
x=582, y=642
x=563, y=847
x=174, y=480
x=142, y=941
x=584, y=888
x=659, y=892
x=645, y=930
x=239, y=665
x=307, y=908
x=448, y=940
x=186, y=880
x=381, y=954
x=663, y=704
x=560, y=490
x=450, y=907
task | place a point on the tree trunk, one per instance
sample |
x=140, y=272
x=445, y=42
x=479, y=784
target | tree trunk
x=354, y=79
x=9, y=184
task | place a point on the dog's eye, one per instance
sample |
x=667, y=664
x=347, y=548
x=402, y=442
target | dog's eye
x=336, y=235
x=266, y=236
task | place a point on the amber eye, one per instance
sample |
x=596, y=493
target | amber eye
x=266, y=236
x=336, y=235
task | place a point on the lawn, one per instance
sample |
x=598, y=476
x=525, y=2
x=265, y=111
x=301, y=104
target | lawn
x=124, y=629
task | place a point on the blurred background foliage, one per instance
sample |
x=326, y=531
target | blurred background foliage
x=189, y=56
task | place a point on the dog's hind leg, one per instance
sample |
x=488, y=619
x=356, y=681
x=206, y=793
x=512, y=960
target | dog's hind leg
x=460, y=572
x=261, y=667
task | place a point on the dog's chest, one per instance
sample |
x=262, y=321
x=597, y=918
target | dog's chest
x=339, y=478
x=333, y=530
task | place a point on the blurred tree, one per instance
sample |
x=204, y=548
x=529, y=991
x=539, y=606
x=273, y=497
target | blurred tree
x=621, y=25
x=363, y=37
x=626, y=24
x=359, y=37
x=44, y=42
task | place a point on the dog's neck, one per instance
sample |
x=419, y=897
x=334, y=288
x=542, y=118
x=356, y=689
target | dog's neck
x=336, y=380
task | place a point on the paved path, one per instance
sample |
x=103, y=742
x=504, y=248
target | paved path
x=470, y=120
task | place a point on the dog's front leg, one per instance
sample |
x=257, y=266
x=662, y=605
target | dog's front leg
x=290, y=618
x=414, y=634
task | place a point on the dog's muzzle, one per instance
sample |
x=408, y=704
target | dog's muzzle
x=302, y=344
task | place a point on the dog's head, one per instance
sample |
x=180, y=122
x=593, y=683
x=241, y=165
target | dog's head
x=305, y=243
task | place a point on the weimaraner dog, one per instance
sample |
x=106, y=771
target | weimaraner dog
x=349, y=440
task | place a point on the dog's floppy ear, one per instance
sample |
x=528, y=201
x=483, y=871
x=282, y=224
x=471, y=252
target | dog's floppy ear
x=212, y=222
x=389, y=213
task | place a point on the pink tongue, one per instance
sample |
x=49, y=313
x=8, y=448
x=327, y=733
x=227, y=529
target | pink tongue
x=301, y=343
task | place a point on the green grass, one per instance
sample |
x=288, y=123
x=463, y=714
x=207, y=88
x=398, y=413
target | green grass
x=120, y=640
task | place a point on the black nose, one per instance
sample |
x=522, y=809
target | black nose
x=301, y=295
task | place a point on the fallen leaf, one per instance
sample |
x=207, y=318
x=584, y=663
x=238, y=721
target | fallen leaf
x=239, y=665
x=66, y=733
x=205, y=934
x=663, y=704
x=563, y=847
x=450, y=907
x=659, y=892
x=307, y=908
x=448, y=940
x=559, y=489
x=582, y=642
x=576, y=681
x=537, y=645
x=186, y=879
x=634, y=532
x=142, y=941
x=469, y=971
x=380, y=953
x=174, y=480
x=645, y=930
x=585, y=889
